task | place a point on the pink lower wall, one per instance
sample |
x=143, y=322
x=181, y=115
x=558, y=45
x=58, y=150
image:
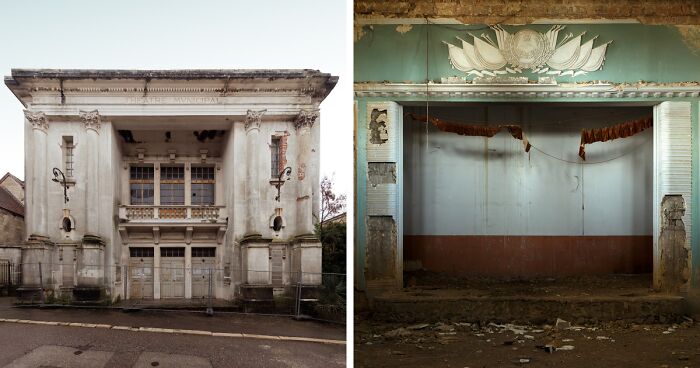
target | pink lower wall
x=530, y=256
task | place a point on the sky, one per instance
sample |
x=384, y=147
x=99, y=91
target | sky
x=178, y=34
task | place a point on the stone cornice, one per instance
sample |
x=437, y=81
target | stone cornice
x=593, y=91
x=91, y=119
x=37, y=119
x=253, y=119
x=306, y=118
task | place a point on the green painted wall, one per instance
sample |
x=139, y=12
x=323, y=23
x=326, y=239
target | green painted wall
x=638, y=52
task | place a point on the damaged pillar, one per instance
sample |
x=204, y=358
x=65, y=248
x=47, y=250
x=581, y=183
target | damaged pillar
x=90, y=260
x=38, y=249
x=307, y=248
x=254, y=248
x=674, y=261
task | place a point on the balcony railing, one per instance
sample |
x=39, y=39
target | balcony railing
x=172, y=213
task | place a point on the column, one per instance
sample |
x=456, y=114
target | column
x=39, y=214
x=305, y=171
x=92, y=122
x=252, y=130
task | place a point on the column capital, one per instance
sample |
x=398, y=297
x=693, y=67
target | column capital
x=306, y=118
x=37, y=119
x=91, y=119
x=253, y=119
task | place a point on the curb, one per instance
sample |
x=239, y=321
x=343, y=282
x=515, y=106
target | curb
x=176, y=331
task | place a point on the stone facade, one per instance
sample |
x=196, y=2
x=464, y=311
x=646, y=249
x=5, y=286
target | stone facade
x=168, y=176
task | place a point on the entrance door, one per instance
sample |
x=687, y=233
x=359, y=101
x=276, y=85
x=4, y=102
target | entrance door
x=172, y=273
x=141, y=273
x=203, y=260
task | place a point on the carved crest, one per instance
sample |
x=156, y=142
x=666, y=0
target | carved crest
x=527, y=49
x=91, y=119
x=37, y=119
x=253, y=119
x=306, y=118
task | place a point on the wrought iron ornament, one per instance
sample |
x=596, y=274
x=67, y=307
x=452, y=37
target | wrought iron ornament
x=62, y=181
x=279, y=182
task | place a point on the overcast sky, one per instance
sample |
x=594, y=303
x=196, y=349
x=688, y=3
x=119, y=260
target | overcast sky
x=178, y=34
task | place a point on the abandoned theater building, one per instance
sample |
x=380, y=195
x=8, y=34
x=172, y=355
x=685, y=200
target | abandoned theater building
x=524, y=152
x=146, y=184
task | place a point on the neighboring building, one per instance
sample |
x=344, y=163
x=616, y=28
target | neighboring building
x=339, y=218
x=480, y=204
x=171, y=173
x=11, y=228
x=13, y=185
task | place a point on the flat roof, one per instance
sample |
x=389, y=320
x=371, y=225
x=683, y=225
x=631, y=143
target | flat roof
x=164, y=73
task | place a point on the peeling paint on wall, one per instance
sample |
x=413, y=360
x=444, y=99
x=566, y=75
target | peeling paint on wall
x=380, y=261
x=674, y=263
x=359, y=31
x=378, y=133
x=381, y=173
x=404, y=28
x=691, y=37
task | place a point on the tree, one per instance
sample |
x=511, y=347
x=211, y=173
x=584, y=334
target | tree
x=331, y=204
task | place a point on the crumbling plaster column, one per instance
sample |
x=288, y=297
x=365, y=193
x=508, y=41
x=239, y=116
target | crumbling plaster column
x=39, y=211
x=252, y=129
x=305, y=172
x=92, y=122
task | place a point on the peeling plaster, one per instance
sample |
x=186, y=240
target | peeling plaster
x=404, y=28
x=691, y=37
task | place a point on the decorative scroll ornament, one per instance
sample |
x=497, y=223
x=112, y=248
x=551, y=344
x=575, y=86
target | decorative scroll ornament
x=306, y=118
x=91, y=119
x=37, y=119
x=253, y=119
x=527, y=49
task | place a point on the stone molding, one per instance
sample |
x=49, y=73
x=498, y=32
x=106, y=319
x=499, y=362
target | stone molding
x=306, y=118
x=91, y=119
x=253, y=119
x=38, y=120
x=593, y=91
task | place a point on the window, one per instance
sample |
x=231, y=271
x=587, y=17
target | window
x=140, y=252
x=275, y=164
x=172, y=185
x=202, y=185
x=203, y=252
x=172, y=252
x=68, y=157
x=141, y=185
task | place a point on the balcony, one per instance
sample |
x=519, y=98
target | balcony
x=164, y=214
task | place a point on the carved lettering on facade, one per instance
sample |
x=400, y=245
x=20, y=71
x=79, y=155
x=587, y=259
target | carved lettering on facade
x=37, y=119
x=168, y=100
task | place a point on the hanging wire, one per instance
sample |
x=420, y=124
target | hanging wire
x=590, y=163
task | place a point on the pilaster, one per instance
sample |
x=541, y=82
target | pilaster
x=252, y=128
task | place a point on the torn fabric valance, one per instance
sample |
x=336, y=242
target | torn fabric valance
x=604, y=134
x=474, y=130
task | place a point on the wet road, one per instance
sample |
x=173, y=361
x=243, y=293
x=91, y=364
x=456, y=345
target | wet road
x=26, y=345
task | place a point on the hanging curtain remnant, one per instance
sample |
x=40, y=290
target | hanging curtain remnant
x=474, y=130
x=623, y=130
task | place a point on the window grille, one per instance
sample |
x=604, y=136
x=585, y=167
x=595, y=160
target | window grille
x=68, y=156
x=172, y=185
x=141, y=185
x=275, y=164
x=203, y=252
x=203, y=185
x=172, y=252
x=139, y=252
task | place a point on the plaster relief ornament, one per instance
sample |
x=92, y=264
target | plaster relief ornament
x=37, y=119
x=91, y=119
x=253, y=119
x=527, y=49
x=306, y=118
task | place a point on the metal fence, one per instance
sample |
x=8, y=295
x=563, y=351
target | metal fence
x=9, y=277
x=175, y=286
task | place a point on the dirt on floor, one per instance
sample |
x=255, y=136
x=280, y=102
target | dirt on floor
x=562, y=344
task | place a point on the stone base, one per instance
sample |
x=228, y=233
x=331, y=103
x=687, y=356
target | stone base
x=307, y=260
x=87, y=294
